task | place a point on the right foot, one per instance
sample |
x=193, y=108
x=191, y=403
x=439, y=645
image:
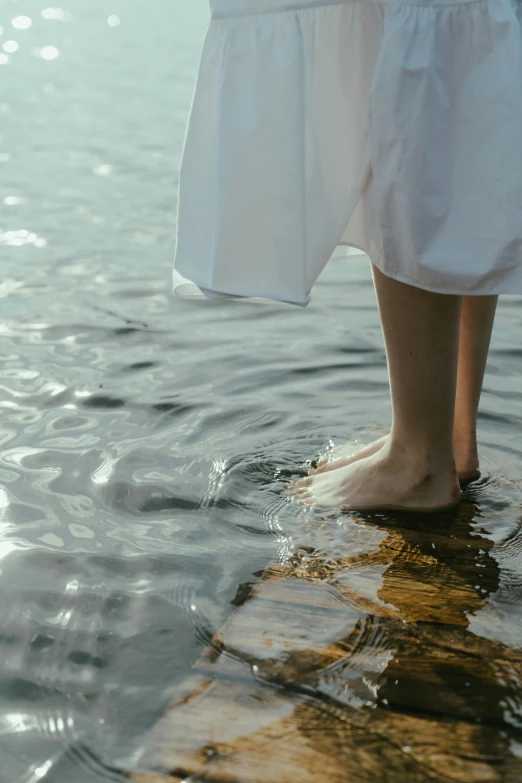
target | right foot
x=466, y=458
x=390, y=479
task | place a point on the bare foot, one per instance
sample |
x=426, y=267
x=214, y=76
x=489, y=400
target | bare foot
x=344, y=455
x=381, y=481
x=466, y=458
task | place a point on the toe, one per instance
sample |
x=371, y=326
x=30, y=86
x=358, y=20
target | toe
x=288, y=492
x=304, y=499
x=294, y=484
x=301, y=483
x=293, y=492
x=302, y=493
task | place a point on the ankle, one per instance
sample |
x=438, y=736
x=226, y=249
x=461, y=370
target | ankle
x=423, y=461
x=428, y=475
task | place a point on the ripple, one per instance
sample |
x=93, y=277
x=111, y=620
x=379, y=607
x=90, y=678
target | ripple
x=19, y=238
x=102, y=401
x=145, y=442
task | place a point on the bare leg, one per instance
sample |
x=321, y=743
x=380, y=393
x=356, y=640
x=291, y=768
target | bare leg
x=415, y=469
x=476, y=325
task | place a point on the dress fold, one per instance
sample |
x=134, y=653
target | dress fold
x=394, y=127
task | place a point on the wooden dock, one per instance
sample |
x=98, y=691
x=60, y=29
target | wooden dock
x=356, y=668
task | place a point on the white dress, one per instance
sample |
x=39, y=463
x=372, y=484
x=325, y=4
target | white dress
x=392, y=126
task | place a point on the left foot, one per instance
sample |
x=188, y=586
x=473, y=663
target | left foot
x=381, y=481
x=466, y=457
x=341, y=456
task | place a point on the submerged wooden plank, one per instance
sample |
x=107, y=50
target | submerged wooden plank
x=290, y=738
x=353, y=668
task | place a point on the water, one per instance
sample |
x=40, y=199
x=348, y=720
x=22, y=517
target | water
x=144, y=440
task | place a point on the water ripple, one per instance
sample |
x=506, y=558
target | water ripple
x=145, y=441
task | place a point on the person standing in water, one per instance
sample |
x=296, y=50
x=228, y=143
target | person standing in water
x=393, y=126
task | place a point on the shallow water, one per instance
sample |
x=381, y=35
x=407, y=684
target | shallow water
x=144, y=440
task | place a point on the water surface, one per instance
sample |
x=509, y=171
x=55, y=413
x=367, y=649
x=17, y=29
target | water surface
x=144, y=440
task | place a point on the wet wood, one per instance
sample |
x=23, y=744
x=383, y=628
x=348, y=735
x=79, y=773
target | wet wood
x=360, y=667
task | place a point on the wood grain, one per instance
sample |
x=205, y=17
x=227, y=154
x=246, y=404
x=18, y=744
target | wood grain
x=355, y=668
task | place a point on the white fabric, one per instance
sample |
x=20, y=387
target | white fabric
x=395, y=127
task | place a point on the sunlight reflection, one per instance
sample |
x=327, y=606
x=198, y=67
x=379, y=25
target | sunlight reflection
x=17, y=723
x=6, y=548
x=51, y=539
x=216, y=480
x=42, y=770
x=103, y=169
x=102, y=474
x=4, y=59
x=22, y=22
x=62, y=618
x=55, y=13
x=113, y=20
x=47, y=53
x=10, y=46
x=16, y=456
x=21, y=237
x=55, y=388
x=516, y=749
x=20, y=723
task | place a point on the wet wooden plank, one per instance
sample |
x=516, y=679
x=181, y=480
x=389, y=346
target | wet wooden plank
x=352, y=668
x=285, y=738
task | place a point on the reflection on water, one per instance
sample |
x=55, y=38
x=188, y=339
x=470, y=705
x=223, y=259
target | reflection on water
x=360, y=658
x=143, y=445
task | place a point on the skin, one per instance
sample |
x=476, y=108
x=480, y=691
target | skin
x=476, y=326
x=436, y=347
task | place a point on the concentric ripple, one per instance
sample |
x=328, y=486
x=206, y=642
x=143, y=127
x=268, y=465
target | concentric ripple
x=144, y=443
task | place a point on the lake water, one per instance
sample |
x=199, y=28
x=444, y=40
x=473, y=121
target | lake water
x=144, y=439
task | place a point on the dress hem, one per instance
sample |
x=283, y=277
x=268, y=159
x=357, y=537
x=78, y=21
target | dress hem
x=210, y=294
